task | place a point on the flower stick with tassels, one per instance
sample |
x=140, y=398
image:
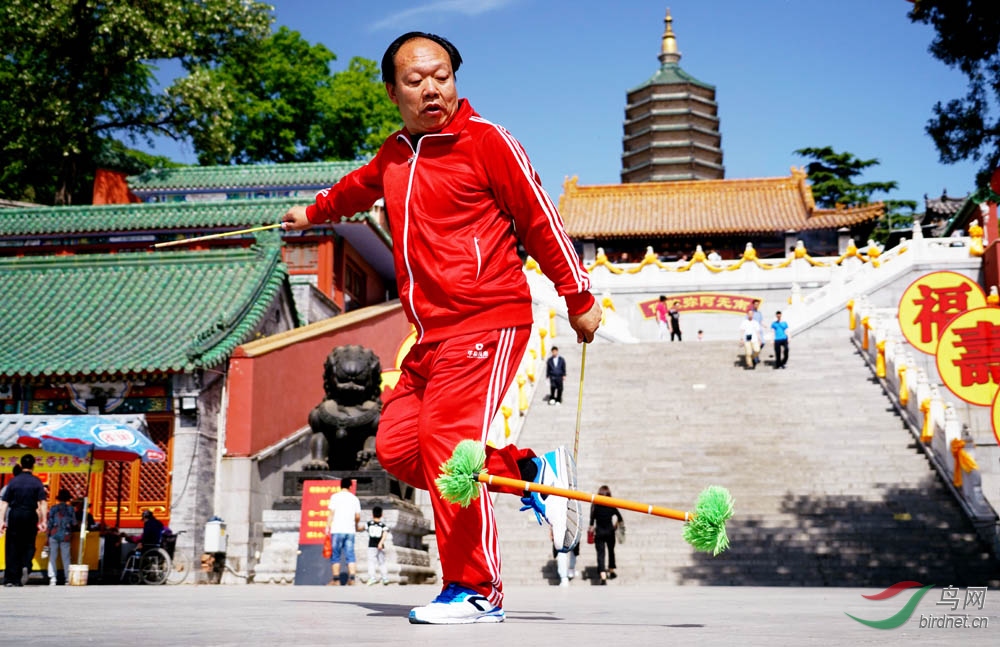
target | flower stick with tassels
x=705, y=528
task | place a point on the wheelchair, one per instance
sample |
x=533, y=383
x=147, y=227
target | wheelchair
x=146, y=565
x=155, y=564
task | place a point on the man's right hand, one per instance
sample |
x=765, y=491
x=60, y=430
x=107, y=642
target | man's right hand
x=295, y=219
x=586, y=323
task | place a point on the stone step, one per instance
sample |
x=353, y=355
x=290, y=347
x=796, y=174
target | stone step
x=830, y=486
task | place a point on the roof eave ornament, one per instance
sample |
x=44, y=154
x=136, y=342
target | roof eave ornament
x=669, y=54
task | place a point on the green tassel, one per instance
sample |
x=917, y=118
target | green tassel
x=457, y=482
x=707, y=531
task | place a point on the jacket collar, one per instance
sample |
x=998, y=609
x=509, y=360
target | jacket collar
x=453, y=127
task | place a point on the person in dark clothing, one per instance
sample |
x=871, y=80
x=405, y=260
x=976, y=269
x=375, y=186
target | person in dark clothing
x=152, y=532
x=604, y=520
x=555, y=370
x=23, y=513
x=675, y=320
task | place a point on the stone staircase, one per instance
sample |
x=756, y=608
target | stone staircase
x=829, y=485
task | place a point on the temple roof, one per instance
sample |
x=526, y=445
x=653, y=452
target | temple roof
x=41, y=221
x=943, y=207
x=133, y=313
x=244, y=177
x=696, y=207
x=158, y=216
x=671, y=74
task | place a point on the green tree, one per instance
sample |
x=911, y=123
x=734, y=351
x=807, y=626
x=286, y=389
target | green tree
x=287, y=106
x=78, y=74
x=967, y=37
x=833, y=177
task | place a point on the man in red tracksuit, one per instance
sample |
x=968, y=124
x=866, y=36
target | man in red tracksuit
x=460, y=194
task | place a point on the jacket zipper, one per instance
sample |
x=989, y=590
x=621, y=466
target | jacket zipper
x=406, y=225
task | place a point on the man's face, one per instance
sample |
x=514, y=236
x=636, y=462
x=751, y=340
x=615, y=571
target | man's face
x=424, y=89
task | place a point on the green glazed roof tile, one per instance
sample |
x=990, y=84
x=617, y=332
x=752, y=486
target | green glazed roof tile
x=671, y=74
x=244, y=177
x=226, y=214
x=159, y=217
x=133, y=312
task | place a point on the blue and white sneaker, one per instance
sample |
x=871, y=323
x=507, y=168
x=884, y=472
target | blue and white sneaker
x=557, y=469
x=456, y=605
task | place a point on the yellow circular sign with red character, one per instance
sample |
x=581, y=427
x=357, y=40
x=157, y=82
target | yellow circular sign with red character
x=968, y=356
x=933, y=300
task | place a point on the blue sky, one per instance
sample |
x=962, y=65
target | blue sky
x=852, y=74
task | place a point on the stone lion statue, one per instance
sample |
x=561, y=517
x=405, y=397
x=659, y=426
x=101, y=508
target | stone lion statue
x=344, y=424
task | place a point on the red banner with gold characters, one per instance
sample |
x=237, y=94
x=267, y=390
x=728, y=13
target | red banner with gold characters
x=701, y=301
x=933, y=300
x=316, y=509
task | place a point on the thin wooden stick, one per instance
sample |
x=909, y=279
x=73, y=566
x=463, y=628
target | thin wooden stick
x=599, y=499
x=579, y=405
x=237, y=232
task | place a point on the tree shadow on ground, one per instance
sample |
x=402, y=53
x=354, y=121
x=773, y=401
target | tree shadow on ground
x=910, y=534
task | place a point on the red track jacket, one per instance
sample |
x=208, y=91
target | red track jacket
x=457, y=205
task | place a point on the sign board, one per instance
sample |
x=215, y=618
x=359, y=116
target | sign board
x=703, y=302
x=968, y=356
x=311, y=568
x=47, y=462
x=933, y=300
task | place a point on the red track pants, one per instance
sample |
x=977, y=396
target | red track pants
x=449, y=391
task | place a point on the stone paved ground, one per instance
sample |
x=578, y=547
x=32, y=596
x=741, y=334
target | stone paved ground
x=609, y=616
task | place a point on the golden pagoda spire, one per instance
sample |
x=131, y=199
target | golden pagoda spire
x=668, y=51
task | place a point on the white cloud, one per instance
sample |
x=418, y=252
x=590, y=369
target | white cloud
x=464, y=7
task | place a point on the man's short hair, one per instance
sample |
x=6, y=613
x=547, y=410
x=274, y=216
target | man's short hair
x=27, y=462
x=389, y=58
x=777, y=313
x=345, y=484
x=555, y=348
x=377, y=511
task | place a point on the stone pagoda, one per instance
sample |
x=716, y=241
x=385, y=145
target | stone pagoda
x=671, y=124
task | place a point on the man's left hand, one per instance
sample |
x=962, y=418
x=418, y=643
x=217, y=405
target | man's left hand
x=587, y=323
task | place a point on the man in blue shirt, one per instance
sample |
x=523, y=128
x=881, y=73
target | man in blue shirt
x=780, y=329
